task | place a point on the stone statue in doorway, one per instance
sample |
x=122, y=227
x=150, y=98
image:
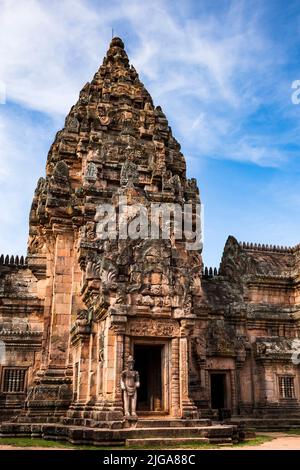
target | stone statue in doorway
x=130, y=382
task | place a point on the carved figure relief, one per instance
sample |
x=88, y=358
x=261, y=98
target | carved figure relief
x=130, y=382
x=91, y=173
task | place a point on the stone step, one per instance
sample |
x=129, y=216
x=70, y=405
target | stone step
x=142, y=423
x=38, y=419
x=267, y=424
x=173, y=432
x=91, y=423
x=221, y=440
x=81, y=434
x=175, y=441
x=164, y=423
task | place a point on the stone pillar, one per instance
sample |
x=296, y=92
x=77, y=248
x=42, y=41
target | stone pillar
x=175, y=383
x=61, y=300
x=84, y=371
x=111, y=400
x=76, y=304
x=119, y=353
x=127, y=348
x=234, y=397
x=238, y=386
x=93, y=368
x=100, y=361
x=183, y=372
x=188, y=408
x=47, y=316
x=109, y=363
x=118, y=320
x=51, y=393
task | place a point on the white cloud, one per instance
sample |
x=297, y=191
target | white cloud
x=210, y=73
x=47, y=50
x=47, y=55
x=22, y=162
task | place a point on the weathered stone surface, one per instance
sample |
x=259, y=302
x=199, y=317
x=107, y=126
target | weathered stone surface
x=78, y=306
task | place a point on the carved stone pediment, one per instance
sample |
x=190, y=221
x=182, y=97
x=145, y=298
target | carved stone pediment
x=274, y=348
x=221, y=339
x=235, y=262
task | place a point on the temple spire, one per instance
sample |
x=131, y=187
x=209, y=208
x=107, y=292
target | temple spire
x=116, y=54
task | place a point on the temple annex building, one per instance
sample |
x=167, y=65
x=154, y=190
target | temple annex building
x=212, y=347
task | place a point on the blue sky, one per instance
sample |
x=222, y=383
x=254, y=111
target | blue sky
x=221, y=70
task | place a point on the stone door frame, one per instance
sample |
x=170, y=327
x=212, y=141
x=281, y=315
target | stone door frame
x=165, y=367
x=227, y=383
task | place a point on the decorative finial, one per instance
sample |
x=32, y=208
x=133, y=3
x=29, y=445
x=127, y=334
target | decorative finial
x=117, y=42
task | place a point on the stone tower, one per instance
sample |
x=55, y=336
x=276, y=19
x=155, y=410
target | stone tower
x=107, y=299
x=114, y=274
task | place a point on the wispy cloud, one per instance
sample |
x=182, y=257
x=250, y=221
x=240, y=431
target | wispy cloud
x=221, y=71
x=23, y=139
x=220, y=62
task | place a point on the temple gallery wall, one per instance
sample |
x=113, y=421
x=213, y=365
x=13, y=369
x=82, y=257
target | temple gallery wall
x=78, y=310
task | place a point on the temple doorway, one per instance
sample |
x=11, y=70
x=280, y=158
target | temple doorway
x=149, y=364
x=218, y=390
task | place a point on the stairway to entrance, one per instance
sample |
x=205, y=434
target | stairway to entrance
x=146, y=432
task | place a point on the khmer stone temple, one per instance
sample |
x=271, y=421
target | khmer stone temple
x=86, y=322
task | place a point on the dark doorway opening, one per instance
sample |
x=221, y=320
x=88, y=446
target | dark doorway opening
x=148, y=362
x=218, y=390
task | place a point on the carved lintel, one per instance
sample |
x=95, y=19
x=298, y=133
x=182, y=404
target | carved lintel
x=149, y=327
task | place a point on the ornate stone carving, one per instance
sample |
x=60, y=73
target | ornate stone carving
x=199, y=348
x=192, y=185
x=130, y=382
x=168, y=184
x=151, y=327
x=94, y=155
x=72, y=124
x=235, y=262
x=101, y=346
x=37, y=244
x=133, y=290
x=220, y=338
x=86, y=316
x=177, y=188
x=108, y=272
x=268, y=348
x=129, y=175
x=91, y=173
x=41, y=186
x=61, y=173
x=104, y=118
x=121, y=296
x=88, y=231
x=84, y=94
x=131, y=154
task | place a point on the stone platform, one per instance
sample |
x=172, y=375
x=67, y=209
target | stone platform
x=146, y=432
x=266, y=423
